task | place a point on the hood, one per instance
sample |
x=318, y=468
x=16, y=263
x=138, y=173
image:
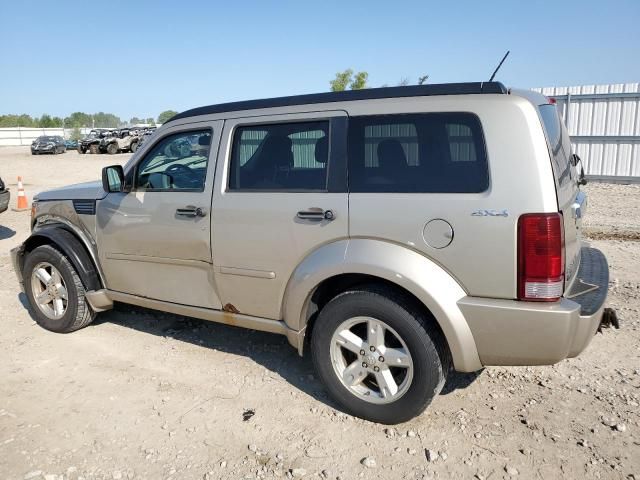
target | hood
x=80, y=191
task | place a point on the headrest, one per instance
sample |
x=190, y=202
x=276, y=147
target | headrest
x=391, y=154
x=322, y=150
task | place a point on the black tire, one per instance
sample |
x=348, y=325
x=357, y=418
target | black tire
x=81, y=150
x=134, y=147
x=78, y=313
x=112, y=148
x=425, y=342
x=94, y=149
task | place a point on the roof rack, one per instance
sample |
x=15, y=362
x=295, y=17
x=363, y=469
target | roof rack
x=349, y=95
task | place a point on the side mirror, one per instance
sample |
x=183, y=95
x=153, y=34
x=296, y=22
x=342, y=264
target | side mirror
x=113, y=178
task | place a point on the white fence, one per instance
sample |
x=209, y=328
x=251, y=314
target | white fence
x=604, y=124
x=24, y=136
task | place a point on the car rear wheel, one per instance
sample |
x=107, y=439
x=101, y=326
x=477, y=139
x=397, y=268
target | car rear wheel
x=93, y=149
x=134, y=147
x=112, y=148
x=380, y=355
x=55, y=291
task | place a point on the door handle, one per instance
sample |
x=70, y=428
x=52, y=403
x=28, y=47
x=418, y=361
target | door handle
x=191, y=211
x=316, y=213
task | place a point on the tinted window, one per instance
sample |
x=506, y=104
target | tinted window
x=177, y=162
x=555, y=136
x=430, y=152
x=291, y=156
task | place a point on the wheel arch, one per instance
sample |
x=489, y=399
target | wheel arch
x=335, y=267
x=72, y=247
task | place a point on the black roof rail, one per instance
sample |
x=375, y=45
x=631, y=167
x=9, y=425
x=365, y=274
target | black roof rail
x=349, y=95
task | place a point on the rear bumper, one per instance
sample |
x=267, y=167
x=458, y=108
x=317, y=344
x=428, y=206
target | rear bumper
x=510, y=332
x=5, y=196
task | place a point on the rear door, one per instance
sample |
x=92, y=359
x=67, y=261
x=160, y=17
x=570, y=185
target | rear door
x=571, y=201
x=280, y=194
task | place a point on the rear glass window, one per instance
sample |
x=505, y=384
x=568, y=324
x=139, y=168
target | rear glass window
x=557, y=143
x=427, y=153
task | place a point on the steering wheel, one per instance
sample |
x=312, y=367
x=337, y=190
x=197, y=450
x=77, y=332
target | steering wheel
x=179, y=170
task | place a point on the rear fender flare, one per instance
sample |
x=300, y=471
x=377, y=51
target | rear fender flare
x=428, y=282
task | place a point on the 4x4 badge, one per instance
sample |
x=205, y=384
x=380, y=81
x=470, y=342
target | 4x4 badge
x=490, y=213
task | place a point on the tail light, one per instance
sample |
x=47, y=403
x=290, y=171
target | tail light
x=540, y=257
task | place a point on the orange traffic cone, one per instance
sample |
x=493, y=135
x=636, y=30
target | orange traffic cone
x=23, y=204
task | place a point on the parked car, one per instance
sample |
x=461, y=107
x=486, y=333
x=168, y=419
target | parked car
x=393, y=233
x=5, y=196
x=122, y=140
x=71, y=144
x=145, y=136
x=53, y=144
x=91, y=142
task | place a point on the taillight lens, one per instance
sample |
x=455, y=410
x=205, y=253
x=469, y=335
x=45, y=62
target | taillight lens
x=540, y=257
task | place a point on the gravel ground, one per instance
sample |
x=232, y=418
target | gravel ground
x=147, y=395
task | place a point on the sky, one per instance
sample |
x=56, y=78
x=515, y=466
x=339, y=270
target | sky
x=138, y=58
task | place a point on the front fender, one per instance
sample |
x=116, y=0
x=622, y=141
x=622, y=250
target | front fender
x=426, y=280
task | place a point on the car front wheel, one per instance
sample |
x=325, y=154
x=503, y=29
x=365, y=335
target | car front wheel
x=380, y=355
x=55, y=291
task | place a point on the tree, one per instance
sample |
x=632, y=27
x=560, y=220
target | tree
x=76, y=134
x=78, y=119
x=136, y=120
x=150, y=121
x=422, y=80
x=106, y=120
x=342, y=80
x=166, y=115
x=403, y=82
x=45, y=121
x=347, y=79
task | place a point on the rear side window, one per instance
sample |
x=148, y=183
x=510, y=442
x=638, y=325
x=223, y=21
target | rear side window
x=417, y=153
x=557, y=143
x=280, y=157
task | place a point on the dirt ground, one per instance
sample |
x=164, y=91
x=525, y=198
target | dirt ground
x=147, y=395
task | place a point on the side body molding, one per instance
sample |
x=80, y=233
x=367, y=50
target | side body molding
x=427, y=281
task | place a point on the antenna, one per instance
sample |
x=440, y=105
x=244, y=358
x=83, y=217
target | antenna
x=499, y=65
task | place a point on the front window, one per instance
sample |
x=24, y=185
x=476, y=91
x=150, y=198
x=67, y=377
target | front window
x=177, y=162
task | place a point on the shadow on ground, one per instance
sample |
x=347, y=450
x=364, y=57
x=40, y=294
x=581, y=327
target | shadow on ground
x=6, y=232
x=269, y=350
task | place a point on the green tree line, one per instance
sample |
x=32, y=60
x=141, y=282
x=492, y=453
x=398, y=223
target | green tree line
x=78, y=120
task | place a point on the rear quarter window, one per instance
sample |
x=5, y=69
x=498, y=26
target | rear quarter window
x=417, y=153
x=558, y=141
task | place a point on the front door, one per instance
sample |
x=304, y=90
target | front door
x=155, y=240
x=280, y=194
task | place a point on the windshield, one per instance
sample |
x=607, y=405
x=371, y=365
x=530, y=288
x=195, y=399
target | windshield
x=46, y=139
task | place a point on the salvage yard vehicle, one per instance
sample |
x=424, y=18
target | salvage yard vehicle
x=53, y=144
x=122, y=140
x=395, y=233
x=91, y=143
x=5, y=196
